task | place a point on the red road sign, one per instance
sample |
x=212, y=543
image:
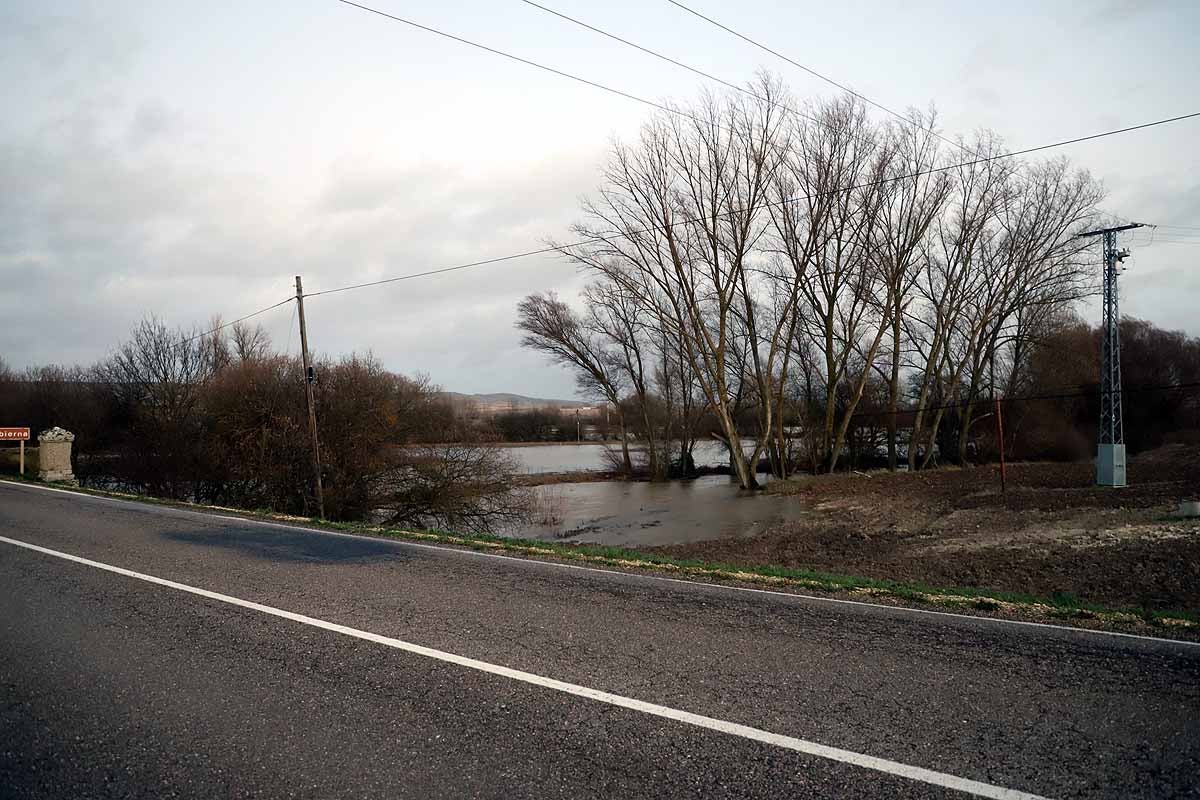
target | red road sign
x=14, y=434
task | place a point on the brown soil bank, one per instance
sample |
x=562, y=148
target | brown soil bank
x=1052, y=532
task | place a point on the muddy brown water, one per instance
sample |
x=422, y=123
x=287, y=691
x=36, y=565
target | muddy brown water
x=621, y=513
x=552, y=458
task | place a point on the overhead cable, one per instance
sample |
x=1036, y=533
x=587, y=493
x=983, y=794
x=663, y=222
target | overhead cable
x=677, y=223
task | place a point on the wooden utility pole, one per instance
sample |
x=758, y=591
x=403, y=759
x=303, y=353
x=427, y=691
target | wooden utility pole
x=309, y=379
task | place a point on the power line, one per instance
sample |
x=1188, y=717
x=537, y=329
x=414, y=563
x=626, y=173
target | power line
x=687, y=220
x=816, y=74
x=287, y=350
x=979, y=158
x=1027, y=398
x=880, y=413
x=485, y=261
x=701, y=73
x=527, y=62
x=251, y=315
x=669, y=60
x=221, y=328
x=1170, y=237
x=907, y=120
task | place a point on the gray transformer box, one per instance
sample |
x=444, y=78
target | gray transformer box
x=1110, y=465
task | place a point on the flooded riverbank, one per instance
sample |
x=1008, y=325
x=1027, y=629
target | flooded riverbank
x=536, y=459
x=624, y=513
x=578, y=503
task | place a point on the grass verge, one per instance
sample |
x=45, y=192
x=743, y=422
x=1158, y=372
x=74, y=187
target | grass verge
x=1057, y=608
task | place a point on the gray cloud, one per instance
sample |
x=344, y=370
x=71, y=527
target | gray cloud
x=98, y=231
x=138, y=177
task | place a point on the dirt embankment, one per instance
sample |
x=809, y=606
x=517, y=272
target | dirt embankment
x=1051, y=532
x=577, y=476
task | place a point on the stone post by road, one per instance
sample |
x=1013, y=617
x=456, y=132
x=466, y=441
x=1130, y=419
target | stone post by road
x=54, y=455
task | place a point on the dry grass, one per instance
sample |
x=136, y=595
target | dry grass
x=1053, y=531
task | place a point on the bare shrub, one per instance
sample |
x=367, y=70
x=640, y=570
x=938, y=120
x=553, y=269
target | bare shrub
x=549, y=506
x=155, y=382
x=465, y=487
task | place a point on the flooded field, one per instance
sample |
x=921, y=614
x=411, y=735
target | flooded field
x=635, y=513
x=551, y=458
x=624, y=513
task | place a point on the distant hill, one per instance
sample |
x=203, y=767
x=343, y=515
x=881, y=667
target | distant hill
x=504, y=401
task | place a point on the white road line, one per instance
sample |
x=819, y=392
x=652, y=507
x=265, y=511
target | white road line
x=976, y=788
x=400, y=542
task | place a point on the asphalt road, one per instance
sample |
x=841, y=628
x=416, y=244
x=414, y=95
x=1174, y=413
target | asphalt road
x=230, y=658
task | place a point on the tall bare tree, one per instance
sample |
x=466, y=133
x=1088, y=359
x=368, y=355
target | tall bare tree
x=250, y=343
x=551, y=327
x=914, y=195
x=613, y=318
x=789, y=258
x=950, y=280
x=1037, y=266
x=836, y=171
x=677, y=225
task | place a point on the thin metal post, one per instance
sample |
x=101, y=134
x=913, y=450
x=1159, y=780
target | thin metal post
x=309, y=377
x=22, y=457
x=1000, y=434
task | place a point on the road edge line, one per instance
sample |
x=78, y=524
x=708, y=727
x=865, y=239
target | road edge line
x=803, y=746
x=400, y=541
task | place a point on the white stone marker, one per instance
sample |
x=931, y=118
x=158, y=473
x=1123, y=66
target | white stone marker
x=54, y=455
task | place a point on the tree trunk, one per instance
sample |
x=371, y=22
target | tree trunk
x=840, y=438
x=657, y=470
x=893, y=394
x=624, y=444
x=964, y=429
x=742, y=469
x=933, y=432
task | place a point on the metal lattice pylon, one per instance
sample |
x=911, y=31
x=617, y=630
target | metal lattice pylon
x=1110, y=451
x=1112, y=430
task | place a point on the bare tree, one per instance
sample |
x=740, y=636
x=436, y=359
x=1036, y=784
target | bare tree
x=1037, y=266
x=219, y=354
x=157, y=377
x=914, y=195
x=757, y=243
x=949, y=282
x=677, y=225
x=250, y=343
x=1005, y=257
x=613, y=318
x=683, y=401
x=837, y=170
x=551, y=327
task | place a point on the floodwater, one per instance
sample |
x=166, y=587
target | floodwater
x=625, y=513
x=551, y=458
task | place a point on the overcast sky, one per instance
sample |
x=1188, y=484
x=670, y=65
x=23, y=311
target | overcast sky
x=188, y=159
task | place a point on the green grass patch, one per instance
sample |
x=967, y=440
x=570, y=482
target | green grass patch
x=1060, y=605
